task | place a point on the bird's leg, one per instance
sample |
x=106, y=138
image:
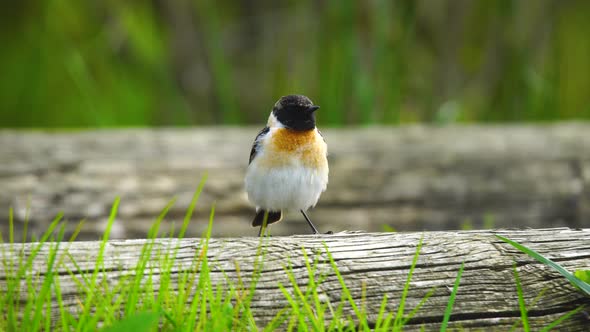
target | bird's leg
x=315, y=230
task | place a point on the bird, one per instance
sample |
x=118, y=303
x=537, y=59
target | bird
x=288, y=166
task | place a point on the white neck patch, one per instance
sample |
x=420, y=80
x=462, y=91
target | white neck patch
x=273, y=122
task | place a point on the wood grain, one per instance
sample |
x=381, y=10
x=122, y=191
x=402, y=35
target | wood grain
x=376, y=262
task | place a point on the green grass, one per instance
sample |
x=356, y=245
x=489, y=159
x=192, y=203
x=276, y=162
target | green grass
x=132, y=303
x=131, y=63
x=449, y=308
x=521, y=304
x=141, y=302
x=577, y=282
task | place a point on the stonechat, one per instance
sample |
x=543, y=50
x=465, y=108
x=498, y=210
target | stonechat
x=288, y=168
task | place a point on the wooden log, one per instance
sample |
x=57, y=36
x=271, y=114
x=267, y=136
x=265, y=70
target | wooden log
x=411, y=178
x=376, y=262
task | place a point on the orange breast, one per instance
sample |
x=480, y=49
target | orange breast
x=290, y=140
x=288, y=147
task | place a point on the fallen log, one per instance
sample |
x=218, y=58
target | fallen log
x=373, y=265
x=411, y=178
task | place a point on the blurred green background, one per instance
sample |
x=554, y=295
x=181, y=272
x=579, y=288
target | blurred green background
x=103, y=63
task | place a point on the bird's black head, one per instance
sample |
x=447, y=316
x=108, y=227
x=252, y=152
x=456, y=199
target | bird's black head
x=295, y=112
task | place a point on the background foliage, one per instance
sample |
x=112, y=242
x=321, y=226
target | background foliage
x=67, y=63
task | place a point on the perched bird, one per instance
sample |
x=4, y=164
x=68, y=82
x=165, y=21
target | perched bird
x=288, y=168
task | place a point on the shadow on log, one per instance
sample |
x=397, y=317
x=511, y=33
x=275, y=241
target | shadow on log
x=374, y=263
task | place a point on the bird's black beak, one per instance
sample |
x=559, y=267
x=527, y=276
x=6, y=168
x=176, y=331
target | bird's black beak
x=312, y=108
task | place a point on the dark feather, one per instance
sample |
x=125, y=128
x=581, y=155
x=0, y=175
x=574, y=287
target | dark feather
x=256, y=144
x=273, y=216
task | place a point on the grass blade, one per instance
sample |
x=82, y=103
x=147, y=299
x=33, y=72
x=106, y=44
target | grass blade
x=345, y=290
x=141, y=321
x=420, y=304
x=452, y=299
x=577, y=282
x=521, y=304
x=398, y=322
x=562, y=318
x=191, y=207
x=88, y=319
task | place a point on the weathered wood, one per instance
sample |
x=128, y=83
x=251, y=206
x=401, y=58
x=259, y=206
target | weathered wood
x=411, y=178
x=379, y=262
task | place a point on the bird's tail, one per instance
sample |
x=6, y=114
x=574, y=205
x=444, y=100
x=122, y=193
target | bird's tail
x=273, y=216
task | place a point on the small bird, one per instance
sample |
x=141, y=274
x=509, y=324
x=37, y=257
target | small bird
x=288, y=167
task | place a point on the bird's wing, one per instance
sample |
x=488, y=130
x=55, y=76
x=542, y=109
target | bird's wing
x=256, y=144
x=322, y=136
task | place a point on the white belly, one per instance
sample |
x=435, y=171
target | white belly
x=285, y=188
